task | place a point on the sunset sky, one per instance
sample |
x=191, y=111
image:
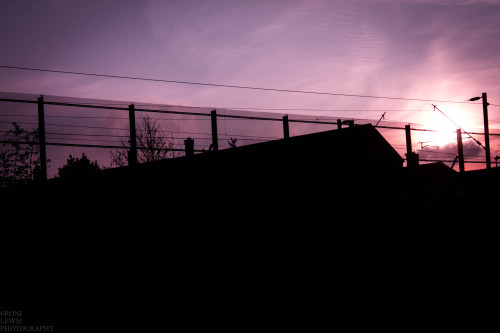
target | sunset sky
x=445, y=50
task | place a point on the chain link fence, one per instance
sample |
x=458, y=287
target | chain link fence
x=100, y=129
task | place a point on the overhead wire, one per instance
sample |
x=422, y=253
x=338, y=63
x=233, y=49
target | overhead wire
x=86, y=140
x=479, y=143
x=229, y=85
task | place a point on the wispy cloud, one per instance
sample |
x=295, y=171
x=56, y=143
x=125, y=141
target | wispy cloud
x=444, y=2
x=404, y=48
x=449, y=151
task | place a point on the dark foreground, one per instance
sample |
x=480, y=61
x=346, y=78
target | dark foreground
x=94, y=256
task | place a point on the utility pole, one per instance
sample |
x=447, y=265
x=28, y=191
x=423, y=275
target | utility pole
x=486, y=128
x=486, y=131
x=460, y=147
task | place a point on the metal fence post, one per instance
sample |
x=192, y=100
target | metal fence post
x=41, y=134
x=215, y=139
x=286, y=132
x=132, y=154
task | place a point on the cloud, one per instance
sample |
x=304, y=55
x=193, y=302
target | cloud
x=448, y=152
x=445, y=2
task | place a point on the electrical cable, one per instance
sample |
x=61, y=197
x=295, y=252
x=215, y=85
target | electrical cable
x=479, y=143
x=99, y=138
x=229, y=85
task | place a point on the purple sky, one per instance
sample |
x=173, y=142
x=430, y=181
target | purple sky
x=426, y=49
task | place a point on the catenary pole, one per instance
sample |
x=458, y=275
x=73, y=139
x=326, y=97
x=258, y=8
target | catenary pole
x=486, y=131
x=460, y=148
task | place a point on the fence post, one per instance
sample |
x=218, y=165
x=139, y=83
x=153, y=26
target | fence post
x=189, y=147
x=41, y=134
x=215, y=139
x=132, y=154
x=408, y=140
x=339, y=124
x=460, y=148
x=286, y=132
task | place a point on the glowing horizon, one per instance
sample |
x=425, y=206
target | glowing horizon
x=411, y=49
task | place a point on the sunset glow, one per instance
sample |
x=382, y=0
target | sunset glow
x=416, y=52
x=446, y=126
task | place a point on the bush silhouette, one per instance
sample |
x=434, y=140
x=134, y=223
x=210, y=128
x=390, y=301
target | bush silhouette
x=78, y=168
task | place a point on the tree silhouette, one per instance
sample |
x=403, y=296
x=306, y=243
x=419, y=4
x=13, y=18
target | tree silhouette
x=78, y=168
x=19, y=156
x=153, y=144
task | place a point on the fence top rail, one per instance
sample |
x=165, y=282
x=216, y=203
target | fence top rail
x=87, y=105
x=248, y=117
x=206, y=114
x=222, y=115
x=17, y=100
x=173, y=112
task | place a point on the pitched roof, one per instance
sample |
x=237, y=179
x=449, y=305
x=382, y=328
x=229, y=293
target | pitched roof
x=347, y=150
x=436, y=169
x=359, y=144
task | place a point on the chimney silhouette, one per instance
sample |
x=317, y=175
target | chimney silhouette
x=412, y=158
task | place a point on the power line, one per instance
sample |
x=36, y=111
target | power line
x=327, y=110
x=479, y=143
x=122, y=147
x=229, y=85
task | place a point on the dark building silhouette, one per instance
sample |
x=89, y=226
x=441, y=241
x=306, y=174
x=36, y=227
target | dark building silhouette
x=340, y=169
x=351, y=163
x=245, y=236
x=347, y=168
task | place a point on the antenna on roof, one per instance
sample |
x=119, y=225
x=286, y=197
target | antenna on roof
x=383, y=117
